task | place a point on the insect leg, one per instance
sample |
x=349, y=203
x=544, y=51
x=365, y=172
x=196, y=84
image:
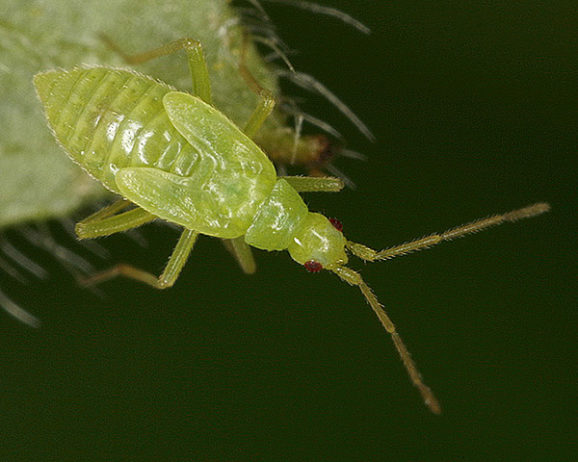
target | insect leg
x=365, y=253
x=244, y=70
x=195, y=55
x=104, y=222
x=168, y=277
x=266, y=100
x=312, y=184
x=242, y=253
x=261, y=112
x=109, y=210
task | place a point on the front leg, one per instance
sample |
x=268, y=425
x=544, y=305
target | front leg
x=315, y=184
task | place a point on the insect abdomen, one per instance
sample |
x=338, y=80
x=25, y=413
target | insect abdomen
x=108, y=119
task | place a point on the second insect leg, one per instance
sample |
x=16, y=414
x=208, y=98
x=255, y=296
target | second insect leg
x=168, y=277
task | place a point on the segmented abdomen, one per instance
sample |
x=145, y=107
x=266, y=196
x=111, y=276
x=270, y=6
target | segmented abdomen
x=108, y=119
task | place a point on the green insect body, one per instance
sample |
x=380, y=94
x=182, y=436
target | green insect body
x=181, y=160
x=178, y=158
x=43, y=34
x=38, y=184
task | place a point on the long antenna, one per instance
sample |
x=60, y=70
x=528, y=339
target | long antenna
x=365, y=253
x=353, y=278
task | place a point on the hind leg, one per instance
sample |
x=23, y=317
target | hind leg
x=107, y=221
x=195, y=56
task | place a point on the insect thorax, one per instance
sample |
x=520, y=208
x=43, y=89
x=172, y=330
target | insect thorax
x=283, y=222
x=277, y=219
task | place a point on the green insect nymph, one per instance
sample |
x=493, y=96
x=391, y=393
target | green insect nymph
x=173, y=156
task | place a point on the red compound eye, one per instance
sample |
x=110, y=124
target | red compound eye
x=336, y=224
x=313, y=266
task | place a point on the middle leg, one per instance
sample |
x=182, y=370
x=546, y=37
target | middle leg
x=168, y=277
x=242, y=253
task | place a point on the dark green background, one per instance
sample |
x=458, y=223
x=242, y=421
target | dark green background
x=474, y=109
